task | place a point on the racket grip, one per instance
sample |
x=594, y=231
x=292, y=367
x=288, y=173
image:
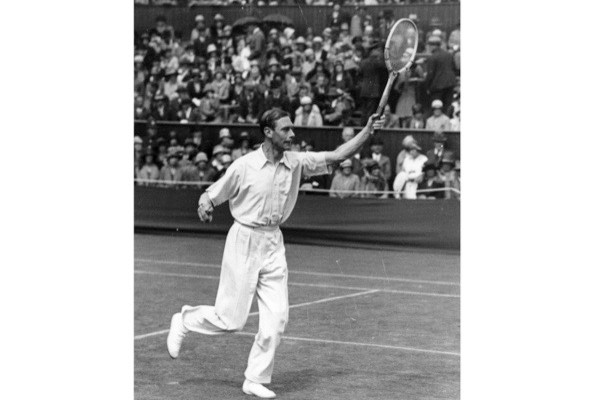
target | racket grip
x=386, y=92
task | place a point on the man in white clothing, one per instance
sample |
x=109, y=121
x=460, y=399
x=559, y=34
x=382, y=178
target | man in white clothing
x=262, y=189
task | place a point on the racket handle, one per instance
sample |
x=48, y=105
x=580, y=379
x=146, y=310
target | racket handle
x=386, y=92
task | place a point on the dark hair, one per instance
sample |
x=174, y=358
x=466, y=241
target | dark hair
x=270, y=117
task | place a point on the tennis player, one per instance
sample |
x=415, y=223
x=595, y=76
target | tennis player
x=262, y=189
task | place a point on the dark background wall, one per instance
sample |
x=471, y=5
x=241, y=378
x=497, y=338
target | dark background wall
x=382, y=224
x=182, y=18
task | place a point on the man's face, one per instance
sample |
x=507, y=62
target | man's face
x=347, y=171
x=437, y=112
x=283, y=134
x=173, y=161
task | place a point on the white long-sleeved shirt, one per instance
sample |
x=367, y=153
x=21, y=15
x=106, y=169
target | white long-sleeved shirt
x=261, y=193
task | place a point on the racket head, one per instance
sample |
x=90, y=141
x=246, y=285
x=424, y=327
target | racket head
x=401, y=45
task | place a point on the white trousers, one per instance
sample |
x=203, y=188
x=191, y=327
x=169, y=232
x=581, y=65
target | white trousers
x=253, y=262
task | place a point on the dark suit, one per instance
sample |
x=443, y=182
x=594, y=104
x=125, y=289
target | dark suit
x=440, y=79
x=373, y=76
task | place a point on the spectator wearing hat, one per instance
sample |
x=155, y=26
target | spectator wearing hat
x=209, y=104
x=320, y=53
x=382, y=160
x=341, y=78
x=337, y=16
x=417, y=121
x=221, y=85
x=162, y=29
x=435, y=155
x=251, y=104
x=357, y=165
x=431, y=187
x=341, y=108
x=373, y=180
x=149, y=170
x=197, y=170
x=320, y=91
x=256, y=43
x=141, y=111
x=440, y=78
x=406, y=88
x=171, y=172
x=225, y=138
x=406, y=146
x=213, y=61
x=161, y=110
x=448, y=175
x=255, y=77
x=218, y=164
x=199, y=29
x=438, y=120
x=171, y=85
x=392, y=121
x=216, y=30
x=276, y=98
x=411, y=172
x=308, y=114
x=345, y=181
x=194, y=86
x=243, y=146
x=303, y=91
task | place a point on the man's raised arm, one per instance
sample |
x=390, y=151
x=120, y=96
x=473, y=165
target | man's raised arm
x=350, y=148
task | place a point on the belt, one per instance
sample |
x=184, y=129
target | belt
x=261, y=228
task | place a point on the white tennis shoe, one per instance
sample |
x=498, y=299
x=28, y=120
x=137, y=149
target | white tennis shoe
x=257, y=389
x=176, y=334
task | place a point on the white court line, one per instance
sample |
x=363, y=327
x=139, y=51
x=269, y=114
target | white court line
x=292, y=306
x=139, y=271
x=192, y=264
x=383, y=346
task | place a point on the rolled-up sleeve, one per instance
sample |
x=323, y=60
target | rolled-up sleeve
x=313, y=163
x=226, y=187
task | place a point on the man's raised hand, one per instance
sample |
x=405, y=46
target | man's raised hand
x=375, y=122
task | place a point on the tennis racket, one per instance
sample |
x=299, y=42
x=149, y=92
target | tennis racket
x=399, y=53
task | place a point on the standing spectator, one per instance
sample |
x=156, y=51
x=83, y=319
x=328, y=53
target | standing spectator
x=308, y=114
x=257, y=43
x=337, y=16
x=243, y=146
x=435, y=155
x=448, y=175
x=417, y=121
x=411, y=173
x=171, y=172
x=440, y=78
x=430, y=181
x=373, y=75
x=406, y=86
x=382, y=160
x=345, y=181
x=373, y=180
x=149, y=170
x=438, y=121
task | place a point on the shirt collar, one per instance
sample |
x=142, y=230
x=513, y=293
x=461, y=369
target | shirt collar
x=261, y=159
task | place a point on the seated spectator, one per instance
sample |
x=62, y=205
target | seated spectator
x=430, y=181
x=196, y=170
x=209, y=105
x=391, y=120
x=303, y=91
x=341, y=79
x=320, y=92
x=221, y=86
x=171, y=85
x=320, y=53
x=188, y=113
x=383, y=161
x=411, y=173
x=217, y=164
x=140, y=111
x=435, y=155
x=251, y=104
x=225, y=138
x=149, y=170
x=438, y=121
x=243, y=146
x=275, y=98
x=357, y=166
x=171, y=172
x=308, y=114
x=448, y=175
x=455, y=122
x=373, y=180
x=194, y=86
x=162, y=111
x=215, y=173
x=417, y=121
x=341, y=108
x=345, y=181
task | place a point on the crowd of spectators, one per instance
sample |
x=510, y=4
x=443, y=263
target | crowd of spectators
x=226, y=73
x=229, y=74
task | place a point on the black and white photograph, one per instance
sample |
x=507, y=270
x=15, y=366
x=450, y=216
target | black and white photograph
x=297, y=200
x=295, y=222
